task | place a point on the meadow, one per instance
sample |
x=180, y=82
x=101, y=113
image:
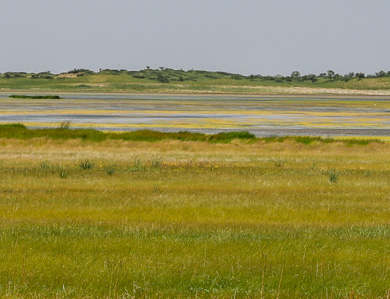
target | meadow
x=232, y=218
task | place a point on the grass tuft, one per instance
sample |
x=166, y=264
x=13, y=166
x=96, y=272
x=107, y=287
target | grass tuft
x=333, y=176
x=45, y=165
x=63, y=173
x=110, y=170
x=86, y=164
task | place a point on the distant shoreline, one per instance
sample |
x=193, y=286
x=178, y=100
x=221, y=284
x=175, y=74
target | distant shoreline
x=168, y=81
x=290, y=91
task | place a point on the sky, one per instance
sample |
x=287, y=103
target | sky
x=267, y=37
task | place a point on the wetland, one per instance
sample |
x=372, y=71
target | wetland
x=131, y=212
x=260, y=115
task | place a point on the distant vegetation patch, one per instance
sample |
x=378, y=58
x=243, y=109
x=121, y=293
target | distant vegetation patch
x=299, y=139
x=19, y=131
x=83, y=86
x=229, y=136
x=21, y=96
x=312, y=139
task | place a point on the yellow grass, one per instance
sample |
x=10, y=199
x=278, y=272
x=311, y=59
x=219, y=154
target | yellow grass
x=193, y=219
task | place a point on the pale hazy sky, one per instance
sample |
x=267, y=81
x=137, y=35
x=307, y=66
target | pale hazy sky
x=239, y=36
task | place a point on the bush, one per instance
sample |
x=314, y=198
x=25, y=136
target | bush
x=13, y=126
x=229, y=136
x=161, y=78
x=65, y=125
x=86, y=164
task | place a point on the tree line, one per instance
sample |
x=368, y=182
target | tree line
x=166, y=75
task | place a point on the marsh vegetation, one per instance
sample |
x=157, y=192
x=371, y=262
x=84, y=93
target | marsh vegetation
x=37, y=97
x=64, y=132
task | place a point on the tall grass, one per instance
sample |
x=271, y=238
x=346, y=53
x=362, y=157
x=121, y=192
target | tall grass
x=228, y=223
x=193, y=219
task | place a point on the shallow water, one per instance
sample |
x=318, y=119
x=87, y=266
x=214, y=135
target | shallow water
x=261, y=115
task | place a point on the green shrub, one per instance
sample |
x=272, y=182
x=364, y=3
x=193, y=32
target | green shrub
x=65, y=125
x=161, y=78
x=12, y=126
x=86, y=164
x=229, y=136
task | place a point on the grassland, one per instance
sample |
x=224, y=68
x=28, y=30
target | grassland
x=170, y=218
x=174, y=81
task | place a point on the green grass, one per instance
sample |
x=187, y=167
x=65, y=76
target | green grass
x=310, y=140
x=19, y=131
x=193, y=219
x=229, y=136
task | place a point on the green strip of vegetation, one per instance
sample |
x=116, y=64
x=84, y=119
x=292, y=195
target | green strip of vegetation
x=21, y=96
x=163, y=80
x=309, y=139
x=19, y=131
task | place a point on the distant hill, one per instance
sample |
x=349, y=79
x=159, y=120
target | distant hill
x=168, y=80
